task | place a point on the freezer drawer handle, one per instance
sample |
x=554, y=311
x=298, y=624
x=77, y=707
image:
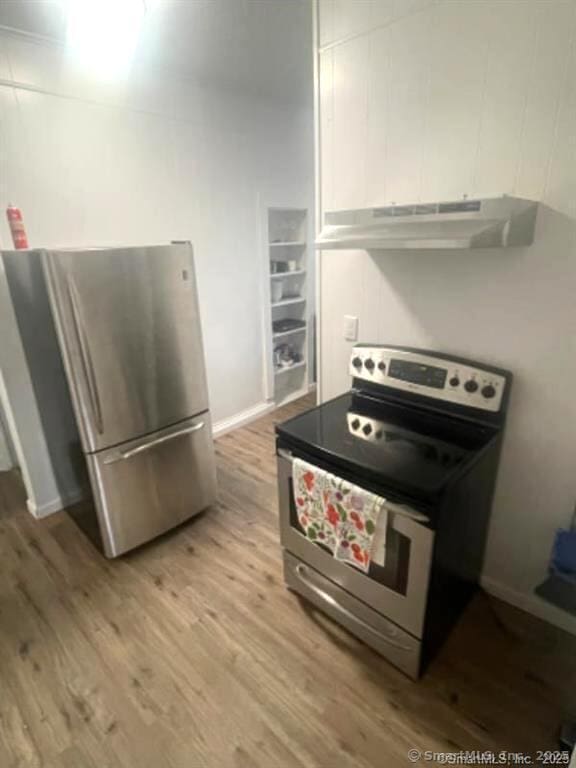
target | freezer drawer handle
x=159, y=440
x=302, y=571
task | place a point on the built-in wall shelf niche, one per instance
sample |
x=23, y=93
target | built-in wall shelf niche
x=288, y=244
x=287, y=275
x=287, y=261
x=292, y=332
x=288, y=301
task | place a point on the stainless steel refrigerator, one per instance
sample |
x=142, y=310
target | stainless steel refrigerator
x=126, y=326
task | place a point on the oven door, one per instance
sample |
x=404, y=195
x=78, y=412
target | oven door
x=399, y=590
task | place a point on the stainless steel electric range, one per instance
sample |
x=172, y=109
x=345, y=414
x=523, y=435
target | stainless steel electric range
x=422, y=430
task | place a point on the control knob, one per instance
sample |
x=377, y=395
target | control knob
x=471, y=386
x=382, y=366
x=355, y=424
x=367, y=428
x=369, y=364
x=357, y=362
x=454, y=381
x=488, y=391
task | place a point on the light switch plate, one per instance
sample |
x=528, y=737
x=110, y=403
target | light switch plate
x=350, y=328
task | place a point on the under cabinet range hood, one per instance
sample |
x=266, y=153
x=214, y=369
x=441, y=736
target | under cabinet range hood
x=491, y=222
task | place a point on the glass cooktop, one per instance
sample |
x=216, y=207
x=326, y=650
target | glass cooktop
x=408, y=448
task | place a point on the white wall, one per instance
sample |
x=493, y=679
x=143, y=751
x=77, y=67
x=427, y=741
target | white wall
x=151, y=160
x=20, y=408
x=424, y=100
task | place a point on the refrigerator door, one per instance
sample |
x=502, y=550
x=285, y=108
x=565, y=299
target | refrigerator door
x=129, y=330
x=147, y=486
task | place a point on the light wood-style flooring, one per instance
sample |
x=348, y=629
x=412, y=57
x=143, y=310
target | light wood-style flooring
x=191, y=652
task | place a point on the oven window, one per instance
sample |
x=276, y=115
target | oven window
x=393, y=575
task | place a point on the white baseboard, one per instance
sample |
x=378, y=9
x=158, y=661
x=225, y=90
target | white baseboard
x=242, y=418
x=531, y=604
x=57, y=504
x=251, y=414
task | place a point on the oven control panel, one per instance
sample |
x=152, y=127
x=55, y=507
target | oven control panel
x=436, y=377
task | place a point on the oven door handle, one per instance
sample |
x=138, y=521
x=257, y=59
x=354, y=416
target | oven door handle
x=397, y=509
x=302, y=573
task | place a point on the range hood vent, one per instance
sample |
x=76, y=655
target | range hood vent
x=492, y=222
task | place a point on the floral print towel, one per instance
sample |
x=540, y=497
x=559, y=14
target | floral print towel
x=337, y=514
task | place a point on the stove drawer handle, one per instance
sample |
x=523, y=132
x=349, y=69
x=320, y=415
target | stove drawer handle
x=302, y=573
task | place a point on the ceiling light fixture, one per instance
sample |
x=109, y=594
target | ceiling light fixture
x=102, y=34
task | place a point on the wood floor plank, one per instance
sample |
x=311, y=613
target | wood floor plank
x=191, y=652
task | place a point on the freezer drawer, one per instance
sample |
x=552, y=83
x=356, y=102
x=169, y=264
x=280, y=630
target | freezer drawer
x=399, y=647
x=147, y=486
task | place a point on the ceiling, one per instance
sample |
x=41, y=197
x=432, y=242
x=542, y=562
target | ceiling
x=260, y=46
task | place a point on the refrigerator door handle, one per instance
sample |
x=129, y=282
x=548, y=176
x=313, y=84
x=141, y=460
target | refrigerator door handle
x=153, y=443
x=86, y=358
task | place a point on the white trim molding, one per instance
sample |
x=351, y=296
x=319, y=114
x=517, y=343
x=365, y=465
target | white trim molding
x=55, y=505
x=5, y=457
x=532, y=604
x=244, y=417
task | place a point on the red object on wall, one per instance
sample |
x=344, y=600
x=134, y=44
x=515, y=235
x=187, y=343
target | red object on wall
x=16, y=223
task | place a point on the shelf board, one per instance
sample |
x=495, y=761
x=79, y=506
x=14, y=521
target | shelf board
x=281, y=334
x=287, y=302
x=279, y=371
x=295, y=272
x=292, y=243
